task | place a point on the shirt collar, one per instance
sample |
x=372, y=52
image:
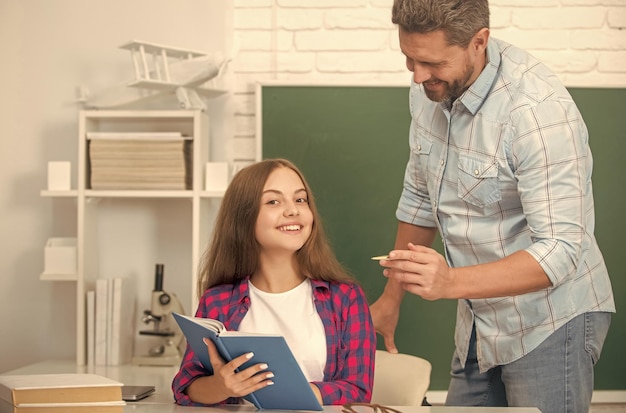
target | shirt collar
x=241, y=290
x=477, y=93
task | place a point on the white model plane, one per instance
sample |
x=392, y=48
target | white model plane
x=161, y=70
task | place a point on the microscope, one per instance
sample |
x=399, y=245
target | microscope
x=162, y=304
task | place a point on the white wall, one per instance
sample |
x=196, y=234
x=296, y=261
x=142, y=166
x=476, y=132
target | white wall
x=354, y=41
x=49, y=47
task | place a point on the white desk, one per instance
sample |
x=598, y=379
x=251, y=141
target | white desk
x=162, y=400
x=327, y=409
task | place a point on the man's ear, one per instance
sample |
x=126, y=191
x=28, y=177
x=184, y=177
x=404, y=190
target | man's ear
x=480, y=40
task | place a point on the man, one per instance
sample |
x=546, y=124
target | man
x=500, y=166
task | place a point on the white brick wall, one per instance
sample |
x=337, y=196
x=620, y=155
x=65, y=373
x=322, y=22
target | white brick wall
x=354, y=41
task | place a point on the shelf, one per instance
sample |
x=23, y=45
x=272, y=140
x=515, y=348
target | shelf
x=140, y=115
x=59, y=194
x=58, y=277
x=212, y=194
x=94, y=193
x=98, y=193
x=165, y=228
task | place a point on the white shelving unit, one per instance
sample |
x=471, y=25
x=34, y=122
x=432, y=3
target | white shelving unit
x=192, y=210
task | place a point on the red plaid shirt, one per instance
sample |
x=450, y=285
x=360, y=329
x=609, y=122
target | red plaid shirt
x=350, y=339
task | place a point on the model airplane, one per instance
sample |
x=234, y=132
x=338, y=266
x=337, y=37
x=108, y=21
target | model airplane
x=163, y=70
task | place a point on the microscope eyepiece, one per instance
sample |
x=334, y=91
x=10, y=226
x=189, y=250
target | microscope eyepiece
x=158, y=278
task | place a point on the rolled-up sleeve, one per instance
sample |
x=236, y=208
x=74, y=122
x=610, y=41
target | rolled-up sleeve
x=554, y=174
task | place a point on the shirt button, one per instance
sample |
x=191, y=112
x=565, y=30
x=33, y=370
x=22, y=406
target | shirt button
x=419, y=147
x=441, y=162
x=476, y=172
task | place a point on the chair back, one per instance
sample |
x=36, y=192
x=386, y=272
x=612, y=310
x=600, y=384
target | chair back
x=400, y=379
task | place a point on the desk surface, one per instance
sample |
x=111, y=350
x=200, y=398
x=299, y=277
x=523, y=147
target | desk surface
x=162, y=402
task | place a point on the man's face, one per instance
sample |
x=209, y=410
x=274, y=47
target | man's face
x=444, y=71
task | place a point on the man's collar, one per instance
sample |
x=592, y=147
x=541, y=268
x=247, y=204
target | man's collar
x=474, y=97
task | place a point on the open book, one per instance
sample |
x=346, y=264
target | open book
x=290, y=391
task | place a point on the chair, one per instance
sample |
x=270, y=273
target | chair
x=400, y=379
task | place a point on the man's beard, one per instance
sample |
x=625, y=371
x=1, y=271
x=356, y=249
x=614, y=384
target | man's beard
x=452, y=90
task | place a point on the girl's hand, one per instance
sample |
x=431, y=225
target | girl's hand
x=232, y=383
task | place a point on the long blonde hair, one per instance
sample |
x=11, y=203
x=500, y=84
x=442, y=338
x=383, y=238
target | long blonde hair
x=233, y=252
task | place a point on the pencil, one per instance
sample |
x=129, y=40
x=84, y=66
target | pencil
x=381, y=257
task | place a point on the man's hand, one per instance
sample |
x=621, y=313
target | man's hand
x=421, y=271
x=385, y=314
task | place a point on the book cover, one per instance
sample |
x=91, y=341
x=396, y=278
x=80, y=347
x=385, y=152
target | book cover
x=290, y=391
x=91, y=327
x=59, y=388
x=122, y=322
x=109, y=322
x=102, y=309
x=100, y=407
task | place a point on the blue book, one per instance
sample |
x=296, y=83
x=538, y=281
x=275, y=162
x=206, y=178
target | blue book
x=290, y=391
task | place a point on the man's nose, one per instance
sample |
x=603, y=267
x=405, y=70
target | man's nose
x=420, y=73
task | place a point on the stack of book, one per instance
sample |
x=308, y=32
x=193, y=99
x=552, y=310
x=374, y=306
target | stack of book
x=150, y=160
x=60, y=393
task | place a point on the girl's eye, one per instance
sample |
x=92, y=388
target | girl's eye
x=302, y=200
x=272, y=202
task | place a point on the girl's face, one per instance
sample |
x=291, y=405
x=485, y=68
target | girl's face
x=285, y=221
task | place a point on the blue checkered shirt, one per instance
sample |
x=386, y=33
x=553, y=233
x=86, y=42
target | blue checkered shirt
x=507, y=167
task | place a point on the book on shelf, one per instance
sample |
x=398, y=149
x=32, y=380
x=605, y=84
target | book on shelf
x=145, y=175
x=138, y=186
x=134, y=135
x=290, y=391
x=123, y=311
x=166, y=161
x=114, y=318
x=90, y=298
x=140, y=164
x=138, y=149
x=101, y=322
x=68, y=389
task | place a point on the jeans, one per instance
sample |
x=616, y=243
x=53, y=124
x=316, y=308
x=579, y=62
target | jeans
x=556, y=377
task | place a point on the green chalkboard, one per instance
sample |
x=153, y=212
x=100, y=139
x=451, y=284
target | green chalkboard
x=351, y=142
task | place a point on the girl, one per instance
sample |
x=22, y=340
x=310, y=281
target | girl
x=270, y=269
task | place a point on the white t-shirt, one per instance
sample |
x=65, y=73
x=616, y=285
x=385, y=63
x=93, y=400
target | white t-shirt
x=291, y=314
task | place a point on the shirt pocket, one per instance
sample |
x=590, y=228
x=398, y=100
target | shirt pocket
x=478, y=181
